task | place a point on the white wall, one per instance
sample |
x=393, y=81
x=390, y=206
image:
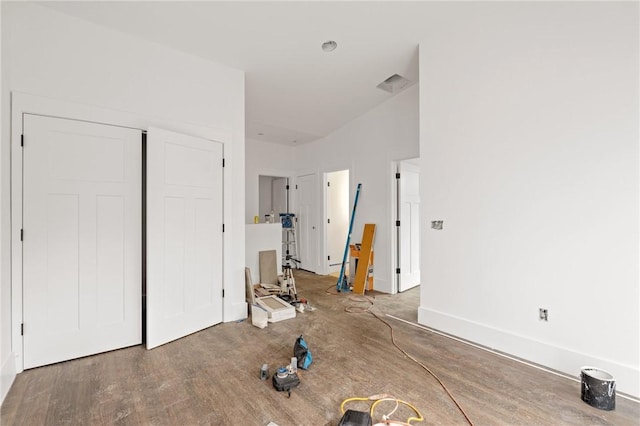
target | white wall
x=267, y=159
x=529, y=153
x=52, y=55
x=367, y=146
x=7, y=368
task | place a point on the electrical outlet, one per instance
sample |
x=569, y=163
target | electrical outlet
x=543, y=314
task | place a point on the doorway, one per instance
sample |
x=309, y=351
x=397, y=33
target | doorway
x=408, y=221
x=108, y=214
x=273, y=196
x=82, y=263
x=337, y=223
x=307, y=222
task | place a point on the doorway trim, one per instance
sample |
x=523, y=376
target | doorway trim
x=21, y=104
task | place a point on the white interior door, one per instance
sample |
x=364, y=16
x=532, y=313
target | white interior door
x=409, y=207
x=184, y=235
x=337, y=216
x=307, y=226
x=82, y=279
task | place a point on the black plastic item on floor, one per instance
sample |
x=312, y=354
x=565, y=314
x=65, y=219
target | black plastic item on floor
x=355, y=418
x=284, y=381
x=287, y=298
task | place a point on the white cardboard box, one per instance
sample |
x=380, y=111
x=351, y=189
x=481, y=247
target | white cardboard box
x=259, y=316
x=277, y=308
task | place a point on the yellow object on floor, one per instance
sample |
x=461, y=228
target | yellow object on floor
x=366, y=248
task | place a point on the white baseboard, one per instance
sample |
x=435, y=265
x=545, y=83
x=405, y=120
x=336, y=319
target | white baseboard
x=332, y=269
x=557, y=358
x=7, y=375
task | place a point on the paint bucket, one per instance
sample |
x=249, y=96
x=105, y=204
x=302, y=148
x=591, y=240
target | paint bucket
x=598, y=388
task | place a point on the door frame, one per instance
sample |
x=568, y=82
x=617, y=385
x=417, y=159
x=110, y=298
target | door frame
x=406, y=164
x=22, y=103
x=394, y=234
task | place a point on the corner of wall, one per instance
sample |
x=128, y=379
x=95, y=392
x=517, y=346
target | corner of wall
x=7, y=357
x=7, y=376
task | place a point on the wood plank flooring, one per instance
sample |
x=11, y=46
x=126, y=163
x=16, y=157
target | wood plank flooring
x=212, y=377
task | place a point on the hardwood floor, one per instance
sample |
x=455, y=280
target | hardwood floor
x=212, y=377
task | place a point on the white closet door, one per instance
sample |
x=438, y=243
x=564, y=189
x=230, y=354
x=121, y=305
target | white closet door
x=82, y=281
x=184, y=235
x=308, y=235
x=409, y=226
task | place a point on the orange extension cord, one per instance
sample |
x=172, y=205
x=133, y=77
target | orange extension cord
x=371, y=300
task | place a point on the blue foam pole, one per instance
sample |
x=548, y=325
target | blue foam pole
x=342, y=280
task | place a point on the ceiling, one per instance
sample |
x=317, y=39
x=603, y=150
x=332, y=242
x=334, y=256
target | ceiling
x=295, y=92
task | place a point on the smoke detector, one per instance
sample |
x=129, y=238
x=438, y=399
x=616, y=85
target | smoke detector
x=394, y=84
x=329, y=46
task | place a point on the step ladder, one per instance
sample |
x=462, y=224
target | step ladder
x=289, y=284
x=289, y=240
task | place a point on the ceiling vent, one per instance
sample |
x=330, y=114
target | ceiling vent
x=394, y=84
